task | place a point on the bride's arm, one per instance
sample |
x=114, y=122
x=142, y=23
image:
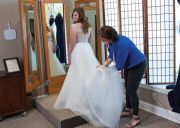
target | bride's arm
x=54, y=41
x=72, y=42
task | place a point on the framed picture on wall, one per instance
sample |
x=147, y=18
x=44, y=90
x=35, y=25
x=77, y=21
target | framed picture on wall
x=11, y=65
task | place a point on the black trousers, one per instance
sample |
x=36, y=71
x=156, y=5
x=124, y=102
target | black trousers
x=133, y=77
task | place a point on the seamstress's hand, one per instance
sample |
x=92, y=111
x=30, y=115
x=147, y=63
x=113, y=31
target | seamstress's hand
x=98, y=66
x=101, y=66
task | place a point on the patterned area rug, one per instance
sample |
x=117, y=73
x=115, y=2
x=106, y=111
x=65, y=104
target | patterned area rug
x=148, y=120
x=33, y=119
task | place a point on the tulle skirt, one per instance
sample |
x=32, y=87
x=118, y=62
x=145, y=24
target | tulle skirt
x=96, y=94
x=56, y=68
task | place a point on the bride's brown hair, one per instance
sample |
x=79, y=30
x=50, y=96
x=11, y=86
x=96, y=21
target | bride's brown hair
x=82, y=19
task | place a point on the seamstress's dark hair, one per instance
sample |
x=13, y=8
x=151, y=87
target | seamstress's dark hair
x=109, y=33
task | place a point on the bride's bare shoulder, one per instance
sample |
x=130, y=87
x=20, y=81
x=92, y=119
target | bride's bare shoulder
x=76, y=25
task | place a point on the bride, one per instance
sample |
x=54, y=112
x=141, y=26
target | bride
x=94, y=93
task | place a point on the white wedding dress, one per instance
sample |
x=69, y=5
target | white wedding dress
x=96, y=94
x=56, y=68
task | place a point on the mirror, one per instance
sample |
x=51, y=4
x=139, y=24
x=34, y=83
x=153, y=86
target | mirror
x=55, y=20
x=31, y=44
x=91, y=8
x=56, y=38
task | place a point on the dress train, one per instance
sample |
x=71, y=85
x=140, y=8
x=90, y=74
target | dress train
x=97, y=94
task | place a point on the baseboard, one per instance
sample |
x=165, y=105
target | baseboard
x=175, y=117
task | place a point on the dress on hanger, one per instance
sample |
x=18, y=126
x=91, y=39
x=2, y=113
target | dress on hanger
x=56, y=68
x=60, y=36
x=96, y=94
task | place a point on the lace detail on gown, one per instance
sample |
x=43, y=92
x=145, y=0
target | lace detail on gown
x=81, y=37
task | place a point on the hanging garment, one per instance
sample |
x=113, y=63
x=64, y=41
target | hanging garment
x=60, y=37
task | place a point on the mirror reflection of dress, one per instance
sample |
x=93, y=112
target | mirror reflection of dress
x=32, y=54
x=33, y=59
x=94, y=93
x=56, y=68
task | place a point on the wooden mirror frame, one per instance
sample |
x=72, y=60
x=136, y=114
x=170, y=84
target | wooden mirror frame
x=55, y=82
x=30, y=86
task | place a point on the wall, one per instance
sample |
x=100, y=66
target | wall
x=10, y=12
x=154, y=97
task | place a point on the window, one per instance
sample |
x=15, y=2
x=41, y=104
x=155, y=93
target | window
x=150, y=25
x=111, y=13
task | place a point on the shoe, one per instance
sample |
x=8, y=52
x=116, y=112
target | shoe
x=126, y=113
x=134, y=122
